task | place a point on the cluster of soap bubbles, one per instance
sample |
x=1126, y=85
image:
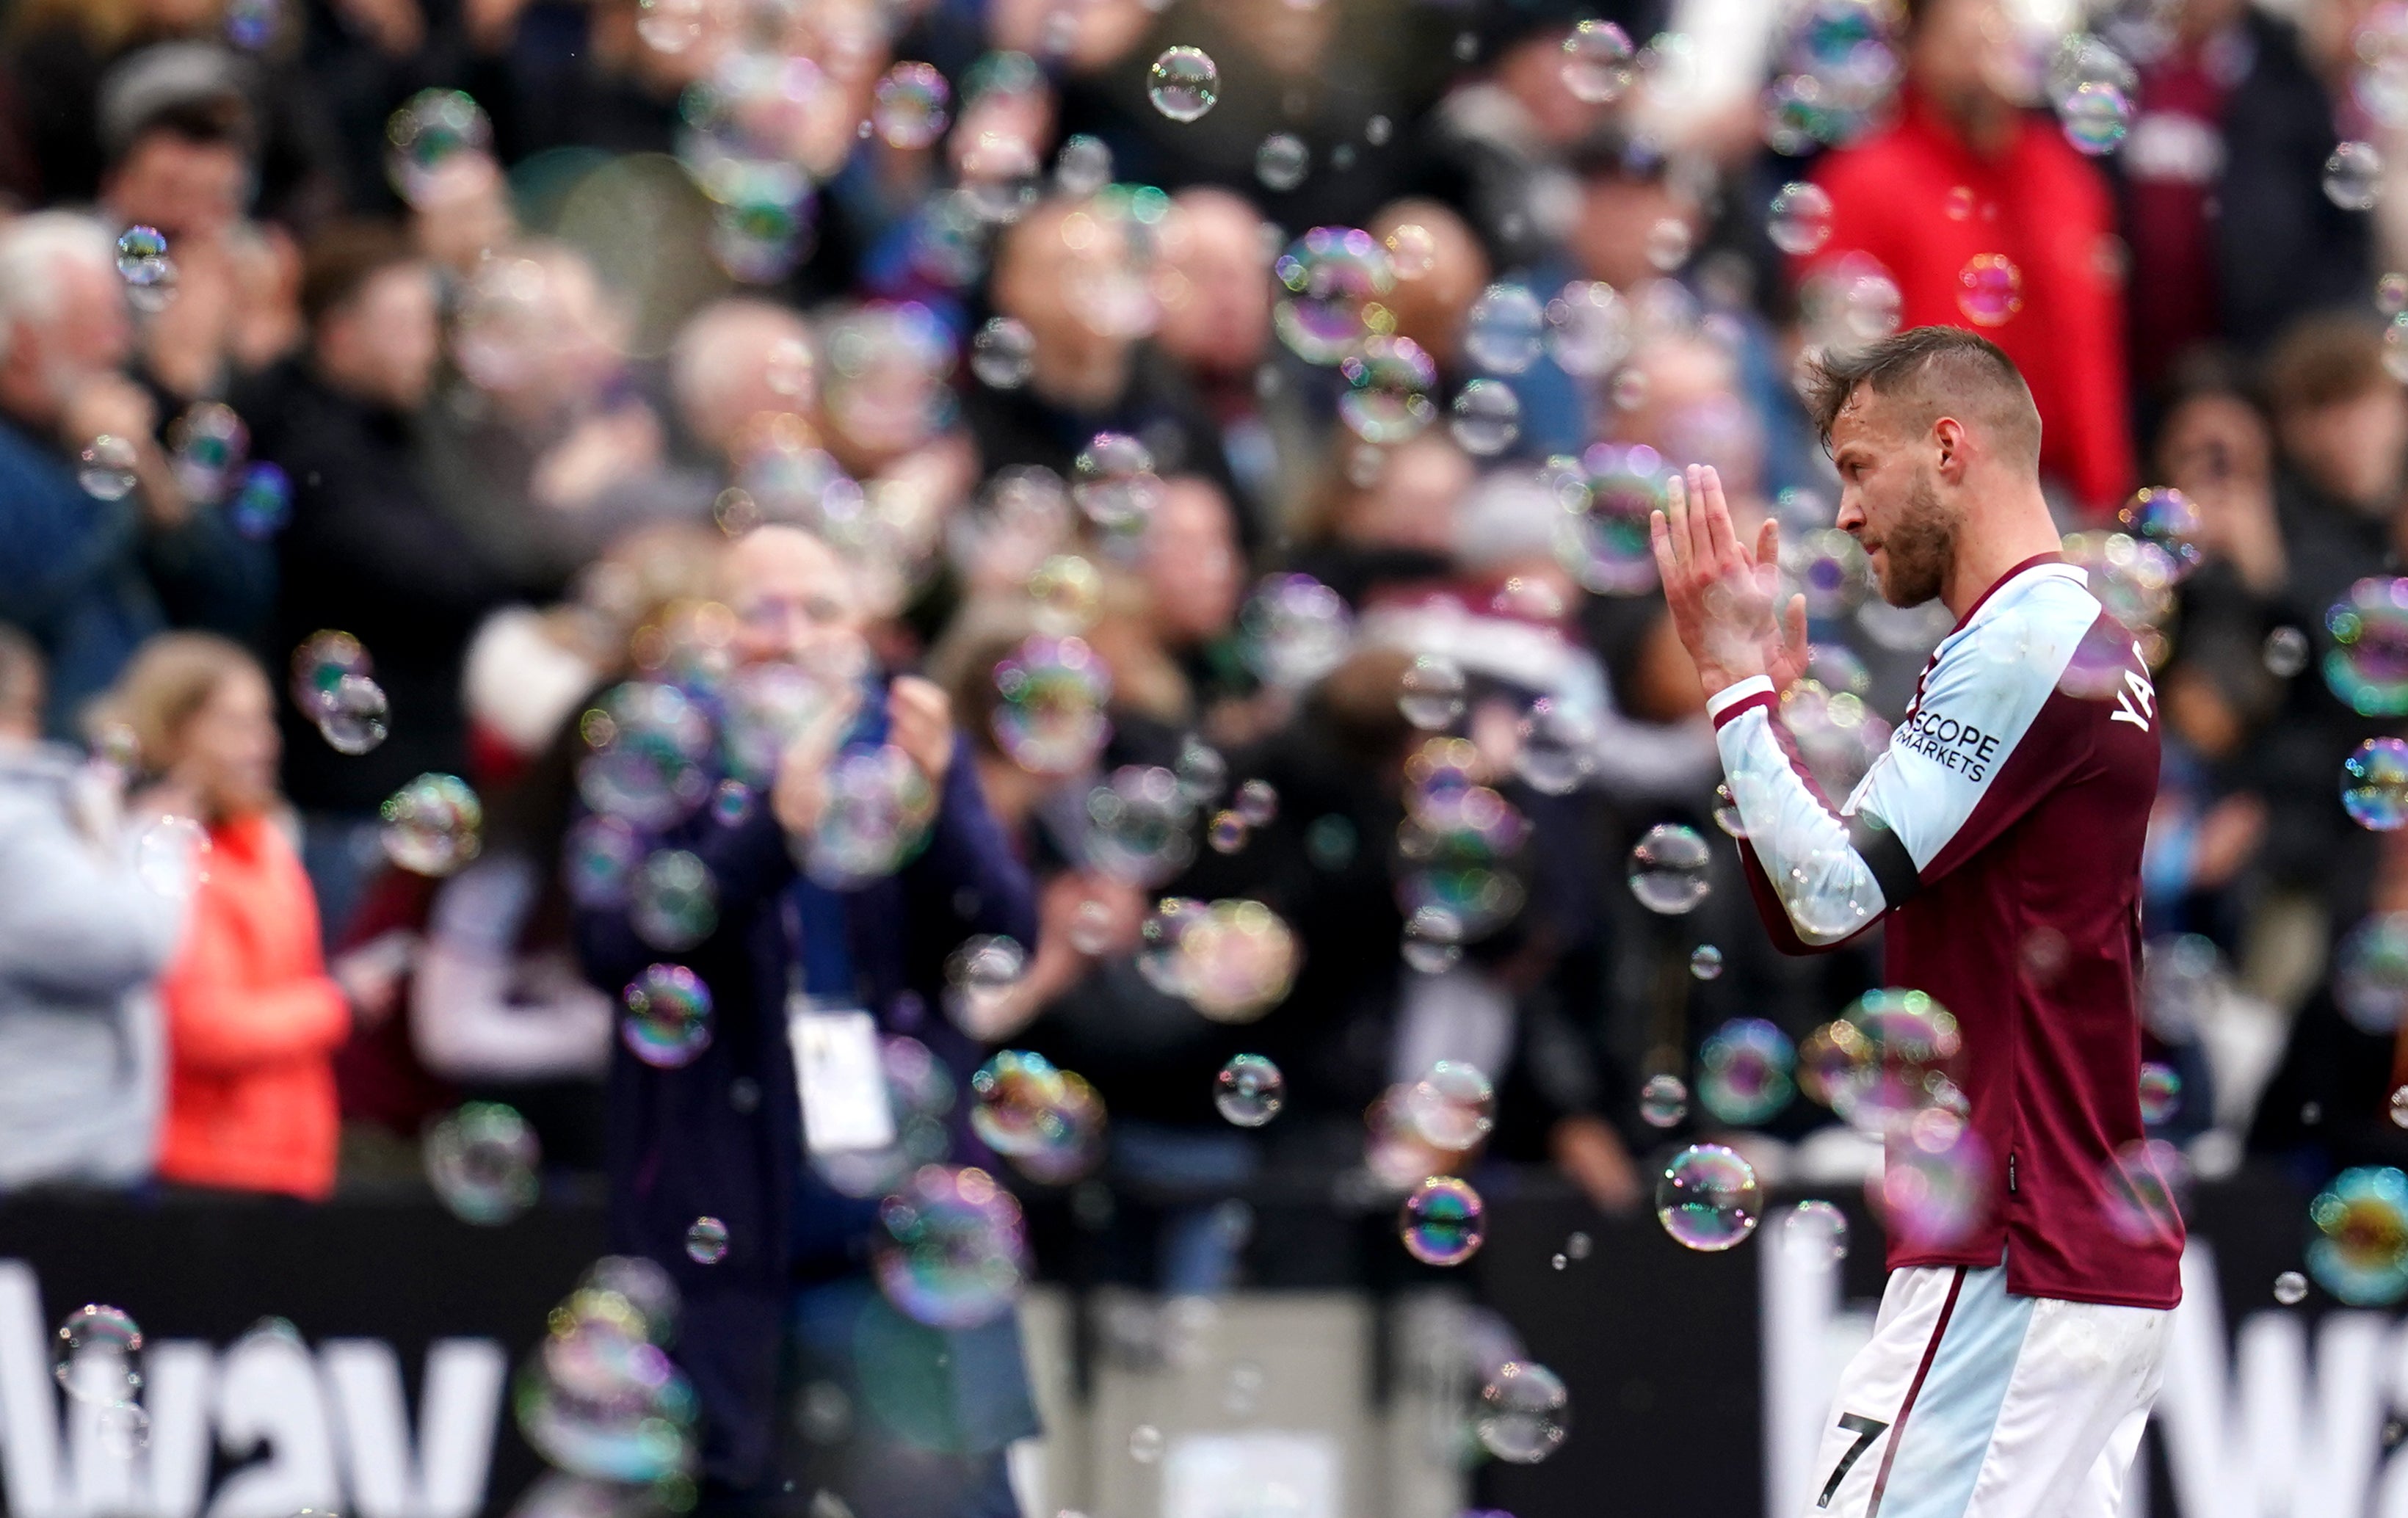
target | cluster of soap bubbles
x=335, y=686
x=668, y=1021
x=1051, y=719
x=483, y=1162
x=98, y=1361
x=600, y=1398
x=433, y=825
x=951, y=1251
x=2367, y=665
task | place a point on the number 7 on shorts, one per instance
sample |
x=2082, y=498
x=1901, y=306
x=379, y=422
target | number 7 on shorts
x=1867, y=1430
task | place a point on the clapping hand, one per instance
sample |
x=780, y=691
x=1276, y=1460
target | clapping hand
x=1722, y=596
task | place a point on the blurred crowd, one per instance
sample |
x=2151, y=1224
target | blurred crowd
x=554, y=552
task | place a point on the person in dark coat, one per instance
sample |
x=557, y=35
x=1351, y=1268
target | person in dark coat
x=368, y=551
x=790, y=1313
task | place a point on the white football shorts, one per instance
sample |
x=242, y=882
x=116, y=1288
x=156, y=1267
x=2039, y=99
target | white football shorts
x=1969, y=1403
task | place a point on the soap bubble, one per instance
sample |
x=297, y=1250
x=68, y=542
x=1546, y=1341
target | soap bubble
x=261, y=502
x=106, y=470
x=2290, y=1288
x=1558, y=747
x=598, y=859
x=1815, y=1230
x=1139, y=821
x=2354, y=177
x=1113, y=482
x=1932, y=1188
x=427, y=138
x=1663, y=1102
x=908, y=107
x=99, y=1354
x=1609, y=497
x=920, y=1096
x=1386, y=400
x=1249, y=1091
x=1083, y=165
x=2161, y=1092
x=667, y=1023
x=2370, y=974
x=672, y=901
x=601, y=1399
x=1051, y=719
x=1413, y=250
x=1145, y=1444
x=2165, y=516
x=1451, y=1108
x=2285, y=652
x=142, y=258
x=207, y=445
x=351, y=719
x=1332, y=283
x=1523, y=1410
x=1589, y=328
x=1227, y=833
x=1667, y=869
x=2143, y=1186
x=979, y=977
x=1003, y=353
x=1800, y=219
x=482, y=1162
x=647, y=747
x=1281, y=161
x=1430, y=692
x=1504, y=329
x=1669, y=242
x=2359, y=1250
x=1442, y=1222
x=2367, y=667
x=1182, y=84
x=2097, y=117
x=670, y=26
x=1990, y=290
x=951, y=1251
x=1487, y=417
x=1257, y=803
x=1016, y=1095
x=1294, y=630
x=1707, y=1198
x=1598, y=62
x=1743, y=1071
x=1886, y=1060
x=431, y=825
x=1236, y=960
x=875, y=820
x=706, y=1241
x=2374, y=784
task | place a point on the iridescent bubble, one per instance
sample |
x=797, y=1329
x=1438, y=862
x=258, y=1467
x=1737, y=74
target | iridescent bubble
x=1602, y=538
x=1453, y=1107
x=1051, y=719
x=2285, y=652
x=1743, y=1071
x=1429, y=693
x=1003, y=353
x=1726, y=815
x=1145, y=1444
x=1522, y=1412
x=1668, y=868
x=261, y=504
x=951, y=1251
x=2354, y=177
x=2374, y=784
x=875, y=820
x=2370, y=974
x=1200, y=772
x=1589, y=328
x=1249, y=1091
x=1815, y=1230
x=1558, y=746
x=1663, y=1102
x=431, y=825
x=2367, y=667
x=598, y=860
x=1227, y=833
x=1182, y=84
x=1083, y=165
x=320, y=665
x=667, y=1023
x=1705, y=962
x=1505, y=329
x=1598, y=62
x=2161, y=1092
x=2165, y=516
x=908, y=107
x=2097, y=117
x=920, y=1096
x=1412, y=250
x=980, y=976
x=483, y=1161
x=706, y=1241
x=1256, y=803
x=2360, y=1248
x=1933, y=1187
x=1113, y=481
x=1669, y=242
x=1990, y=290
x=1890, y=1056
x=142, y=257
x=1294, y=630
x=352, y=717
x=731, y=803
x=648, y=750
x=98, y=1355
x=1332, y=280
x=1014, y=1097
x=1281, y=161
x=1387, y=400
x=252, y=25
x=1800, y=219
x=672, y=902
x=1139, y=826
x=1442, y=1222
x=2143, y=1187
x=427, y=138
x=107, y=469
x=2391, y=294
x=670, y=26
x=171, y=855
x=1707, y=1198
x=1236, y=960
x=601, y=1399
x=1487, y=417
x=2290, y=1288
x=207, y=445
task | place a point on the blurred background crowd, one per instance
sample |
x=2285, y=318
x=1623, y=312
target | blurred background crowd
x=554, y=552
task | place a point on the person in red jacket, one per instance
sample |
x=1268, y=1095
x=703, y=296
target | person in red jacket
x=253, y=1018
x=1987, y=218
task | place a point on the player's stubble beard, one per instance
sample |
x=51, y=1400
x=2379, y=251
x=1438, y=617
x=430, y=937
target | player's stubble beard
x=1919, y=547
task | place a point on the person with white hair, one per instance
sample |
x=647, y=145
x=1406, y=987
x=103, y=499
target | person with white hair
x=93, y=543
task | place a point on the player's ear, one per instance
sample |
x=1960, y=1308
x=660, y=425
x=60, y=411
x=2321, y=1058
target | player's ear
x=1951, y=454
